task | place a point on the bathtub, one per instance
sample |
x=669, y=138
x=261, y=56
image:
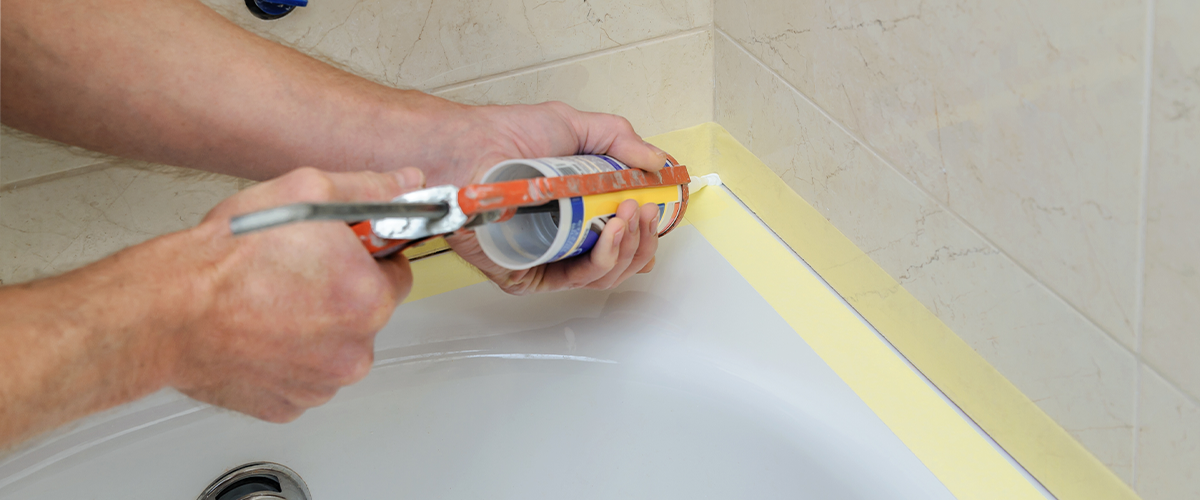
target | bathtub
x=682, y=383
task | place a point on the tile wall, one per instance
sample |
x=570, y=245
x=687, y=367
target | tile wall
x=1169, y=402
x=62, y=207
x=996, y=158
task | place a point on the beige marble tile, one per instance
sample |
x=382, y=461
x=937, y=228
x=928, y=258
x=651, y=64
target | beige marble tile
x=1168, y=441
x=426, y=44
x=24, y=156
x=39, y=222
x=167, y=199
x=1076, y=373
x=659, y=87
x=1171, y=332
x=1022, y=117
x=52, y=227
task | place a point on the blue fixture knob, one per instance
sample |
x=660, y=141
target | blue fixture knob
x=273, y=9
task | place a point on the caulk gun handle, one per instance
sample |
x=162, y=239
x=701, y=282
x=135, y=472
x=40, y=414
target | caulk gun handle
x=378, y=247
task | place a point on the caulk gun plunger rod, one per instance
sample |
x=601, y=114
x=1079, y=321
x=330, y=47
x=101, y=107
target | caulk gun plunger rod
x=349, y=212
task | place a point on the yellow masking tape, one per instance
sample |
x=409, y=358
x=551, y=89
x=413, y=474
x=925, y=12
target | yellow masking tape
x=959, y=457
x=441, y=273
x=1043, y=447
x=426, y=248
x=956, y=454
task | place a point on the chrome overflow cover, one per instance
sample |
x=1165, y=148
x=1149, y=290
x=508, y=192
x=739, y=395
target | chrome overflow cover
x=257, y=481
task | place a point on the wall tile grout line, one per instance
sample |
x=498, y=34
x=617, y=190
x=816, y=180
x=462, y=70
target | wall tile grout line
x=567, y=60
x=712, y=33
x=953, y=214
x=1140, y=265
x=897, y=171
x=70, y=172
x=1174, y=385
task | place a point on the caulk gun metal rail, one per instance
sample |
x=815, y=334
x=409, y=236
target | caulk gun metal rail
x=350, y=212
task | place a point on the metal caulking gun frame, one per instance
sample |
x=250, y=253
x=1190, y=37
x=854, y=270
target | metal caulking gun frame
x=389, y=227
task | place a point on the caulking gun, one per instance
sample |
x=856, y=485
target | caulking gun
x=388, y=227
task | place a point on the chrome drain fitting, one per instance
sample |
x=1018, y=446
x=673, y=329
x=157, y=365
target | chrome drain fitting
x=257, y=481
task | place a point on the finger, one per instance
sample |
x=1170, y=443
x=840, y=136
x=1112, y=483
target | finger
x=648, y=245
x=648, y=267
x=580, y=271
x=244, y=397
x=310, y=397
x=274, y=408
x=629, y=212
x=614, y=135
x=398, y=272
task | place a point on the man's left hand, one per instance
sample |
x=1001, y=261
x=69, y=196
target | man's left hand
x=629, y=240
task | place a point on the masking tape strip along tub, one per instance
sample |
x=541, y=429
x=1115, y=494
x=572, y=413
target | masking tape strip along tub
x=1035, y=440
x=964, y=461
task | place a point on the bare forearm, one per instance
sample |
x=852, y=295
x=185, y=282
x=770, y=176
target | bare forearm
x=268, y=323
x=90, y=339
x=171, y=81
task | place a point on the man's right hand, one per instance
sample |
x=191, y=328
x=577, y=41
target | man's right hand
x=288, y=315
x=268, y=323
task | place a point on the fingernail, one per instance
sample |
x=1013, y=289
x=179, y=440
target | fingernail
x=616, y=244
x=410, y=177
x=662, y=155
x=633, y=222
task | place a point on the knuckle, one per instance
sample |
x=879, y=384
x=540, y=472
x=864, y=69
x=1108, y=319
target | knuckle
x=314, y=397
x=381, y=186
x=562, y=109
x=378, y=317
x=581, y=283
x=313, y=184
x=610, y=284
x=352, y=371
x=622, y=123
x=280, y=414
x=372, y=310
x=517, y=289
x=367, y=303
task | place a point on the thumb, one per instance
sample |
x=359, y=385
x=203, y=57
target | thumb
x=371, y=186
x=614, y=136
x=635, y=152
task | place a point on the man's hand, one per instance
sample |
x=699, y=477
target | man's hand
x=629, y=240
x=252, y=108
x=625, y=247
x=291, y=312
x=491, y=134
x=268, y=323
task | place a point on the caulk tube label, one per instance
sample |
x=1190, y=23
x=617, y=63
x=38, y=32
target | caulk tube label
x=598, y=209
x=529, y=240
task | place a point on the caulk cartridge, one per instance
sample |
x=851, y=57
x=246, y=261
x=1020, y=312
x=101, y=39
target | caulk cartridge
x=532, y=239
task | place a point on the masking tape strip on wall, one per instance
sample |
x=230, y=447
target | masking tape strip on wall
x=1038, y=443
